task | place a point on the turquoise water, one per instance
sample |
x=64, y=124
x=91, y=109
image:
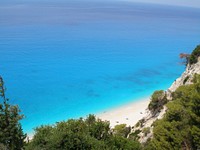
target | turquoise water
x=68, y=59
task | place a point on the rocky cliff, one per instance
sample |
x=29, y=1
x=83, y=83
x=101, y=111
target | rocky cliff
x=186, y=77
x=145, y=125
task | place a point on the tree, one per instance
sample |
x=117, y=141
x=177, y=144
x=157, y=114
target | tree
x=11, y=134
x=184, y=56
x=82, y=134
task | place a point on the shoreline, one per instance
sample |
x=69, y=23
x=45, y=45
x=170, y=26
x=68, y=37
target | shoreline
x=128, y=114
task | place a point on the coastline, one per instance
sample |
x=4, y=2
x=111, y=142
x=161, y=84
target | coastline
x=128, y=114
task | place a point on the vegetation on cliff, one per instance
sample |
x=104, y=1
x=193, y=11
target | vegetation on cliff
x=158, y=99
x=191, y=58
x=194, y=56
x=180, y=127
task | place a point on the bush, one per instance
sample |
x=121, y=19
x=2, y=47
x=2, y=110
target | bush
x=186, y=79
x=158, y=99
x=146, y=131
x=134, y=135
x=122, y=130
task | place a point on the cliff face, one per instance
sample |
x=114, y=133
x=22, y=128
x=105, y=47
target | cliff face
x=186, y=77
x=147, y=121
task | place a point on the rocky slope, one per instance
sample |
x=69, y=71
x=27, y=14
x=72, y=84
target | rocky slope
x=186, y=77
x=145, y=124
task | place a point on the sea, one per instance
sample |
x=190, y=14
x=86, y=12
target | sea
x=67, y=59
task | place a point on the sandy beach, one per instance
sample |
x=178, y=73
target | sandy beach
x=128, y=114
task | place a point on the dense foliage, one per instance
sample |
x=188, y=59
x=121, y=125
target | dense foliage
x=122, y=130
x=158, y=99
x=180, y=127
x=194, y=56
x=11, y=134
x=83, y=134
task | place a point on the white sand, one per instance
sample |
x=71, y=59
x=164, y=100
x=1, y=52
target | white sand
x=128, y=114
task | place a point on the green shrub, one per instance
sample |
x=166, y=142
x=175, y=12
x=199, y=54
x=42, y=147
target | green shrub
x=194, y=56
x=134, y=135
x=146, y=131
x=186, y=79
x=158, y=99
x=137, y=124
x=122, y=130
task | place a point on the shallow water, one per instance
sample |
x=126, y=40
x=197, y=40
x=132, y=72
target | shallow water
x=67, y=59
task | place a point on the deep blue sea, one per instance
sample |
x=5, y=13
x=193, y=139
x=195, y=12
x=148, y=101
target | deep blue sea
x=62, y=60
